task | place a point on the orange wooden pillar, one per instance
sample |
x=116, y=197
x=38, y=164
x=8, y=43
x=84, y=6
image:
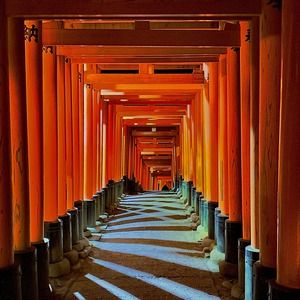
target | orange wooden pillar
x=287, y=284
x=233, y=226
x=94, y=140
x=88, y=142
x=34, y=100
x=252, y=251
x=75, y=131
x=69, y=131
x=34, y=93
x=61, y=134
x=245, y=151
x=25, y=255
x=213, y=147
x=104, y=143
x=222, y=156
x=270, y=71
x=9, y=272
x=81, y=129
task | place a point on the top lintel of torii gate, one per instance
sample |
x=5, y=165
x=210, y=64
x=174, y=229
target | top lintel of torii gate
x=144, y=9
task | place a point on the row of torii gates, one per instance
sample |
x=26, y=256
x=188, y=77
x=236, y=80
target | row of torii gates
x=231, y=129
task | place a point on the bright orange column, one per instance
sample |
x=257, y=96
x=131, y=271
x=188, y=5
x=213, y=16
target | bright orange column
x=69, y=136
x=88, y=143
x=94, y=138
x=61, y=134
x=75, y=130
x=50, y=135
x=234, y=135
x=6, y=219
x=222, y=137
x=19, y=150
x=245, y=127
x=270, y=65
x=288, y=255
x=81, y=130
x=213, y=119
x=254, y=131
x=34, y=92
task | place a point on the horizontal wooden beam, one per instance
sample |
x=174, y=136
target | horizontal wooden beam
x=131, y=8
x=132, y=79
x=153, y=59
x=120, y=52
x=153, y=134
x=120, y=37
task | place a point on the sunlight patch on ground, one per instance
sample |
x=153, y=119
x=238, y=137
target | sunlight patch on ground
x=166, y=254
x=111, y=288
x=180, y=290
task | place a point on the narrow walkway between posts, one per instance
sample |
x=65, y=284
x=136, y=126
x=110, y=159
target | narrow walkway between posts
x=148, y=251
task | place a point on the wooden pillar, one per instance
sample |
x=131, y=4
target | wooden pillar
x=234, y=135
x=222, y=137
x=88, y=143
x=61, y=133
x=252, y=251
x=34, y=92
x=254, y=131
x=288, y=255
x=81, y=130
x=245, y=127
x=94, y=140
x=10, y=285
x=270, y=68
x=19, y=149
x=69, y=136
x=75, y=130
x=6, y=219
x=233, y=226
x=50, y=135
x=213, y=118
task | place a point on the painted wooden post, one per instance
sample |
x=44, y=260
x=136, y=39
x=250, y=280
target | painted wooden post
x=269, y=105
x=287, y=284
x=233, y=226
x=10, y=285
x=61, y=134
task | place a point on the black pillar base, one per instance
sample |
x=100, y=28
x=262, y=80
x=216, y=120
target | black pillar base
x=204, y=214
x=74, y=224
x=54, y=232
x=251, y=256
x=27, y=260
x=211, y=206
x=42, y=251
x=279, y=292
x=67, y=232
x=220, y=238
x=91, y=212
x=262, y=275
x=242, y=244
x=233, y=232
x=79, y=205
x=10, y=283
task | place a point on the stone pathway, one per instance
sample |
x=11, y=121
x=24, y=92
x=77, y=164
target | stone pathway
x=148, y=251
